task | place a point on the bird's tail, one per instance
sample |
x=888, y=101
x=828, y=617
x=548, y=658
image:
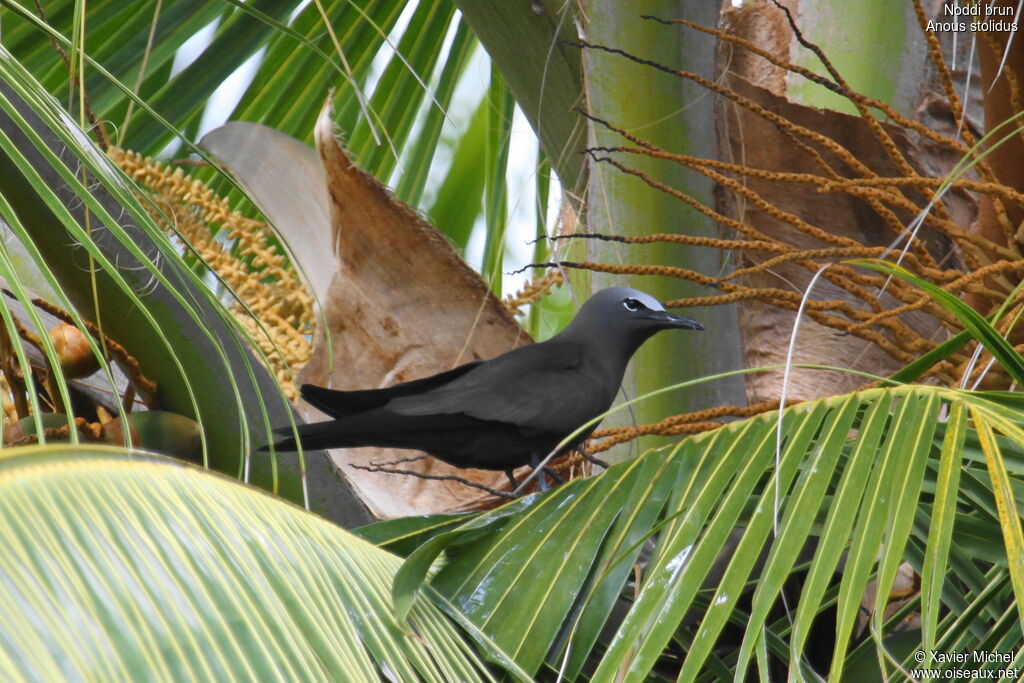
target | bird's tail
x=314, y=436
x=343, y=403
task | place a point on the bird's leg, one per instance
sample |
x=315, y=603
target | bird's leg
x=510, y=473
x=542, y=481
x=554, y=475
x=591, y=459
x=543, y=474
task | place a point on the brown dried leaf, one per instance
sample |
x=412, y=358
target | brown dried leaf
x=402, y=304
x=398, y=301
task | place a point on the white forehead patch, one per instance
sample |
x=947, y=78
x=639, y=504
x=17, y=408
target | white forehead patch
x=647, y=300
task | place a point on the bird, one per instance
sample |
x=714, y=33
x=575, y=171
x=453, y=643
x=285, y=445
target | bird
x=499, y=414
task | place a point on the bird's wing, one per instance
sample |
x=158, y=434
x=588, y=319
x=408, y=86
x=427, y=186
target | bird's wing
x=341, y=403
x=540, y=387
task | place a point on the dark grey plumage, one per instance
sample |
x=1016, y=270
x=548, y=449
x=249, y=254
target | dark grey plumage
x=505, y=412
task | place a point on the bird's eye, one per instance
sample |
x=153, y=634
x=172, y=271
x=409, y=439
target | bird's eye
x=632, y=304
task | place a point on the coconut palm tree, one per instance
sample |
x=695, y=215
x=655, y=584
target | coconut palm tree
x=849, y=536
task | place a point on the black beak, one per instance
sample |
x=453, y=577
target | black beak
x=668, y=321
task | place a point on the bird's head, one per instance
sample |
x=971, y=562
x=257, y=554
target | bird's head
x=626, y=316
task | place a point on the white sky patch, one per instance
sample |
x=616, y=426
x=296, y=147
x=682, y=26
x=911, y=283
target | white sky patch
x=387, y=50
x=229, y=94
x=475, y=245
x=442, y=152
x=193, y=47
x=521, y=183
x=186, y=54
x=520, y=177
x=522, y=192
x=297, y=11
x=465, y=99
x=471, y=87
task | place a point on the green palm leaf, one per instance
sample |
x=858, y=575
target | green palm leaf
x=124, y=566
x=732, y=518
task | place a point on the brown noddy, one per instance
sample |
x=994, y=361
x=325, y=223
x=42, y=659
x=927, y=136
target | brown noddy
x=502, y=413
